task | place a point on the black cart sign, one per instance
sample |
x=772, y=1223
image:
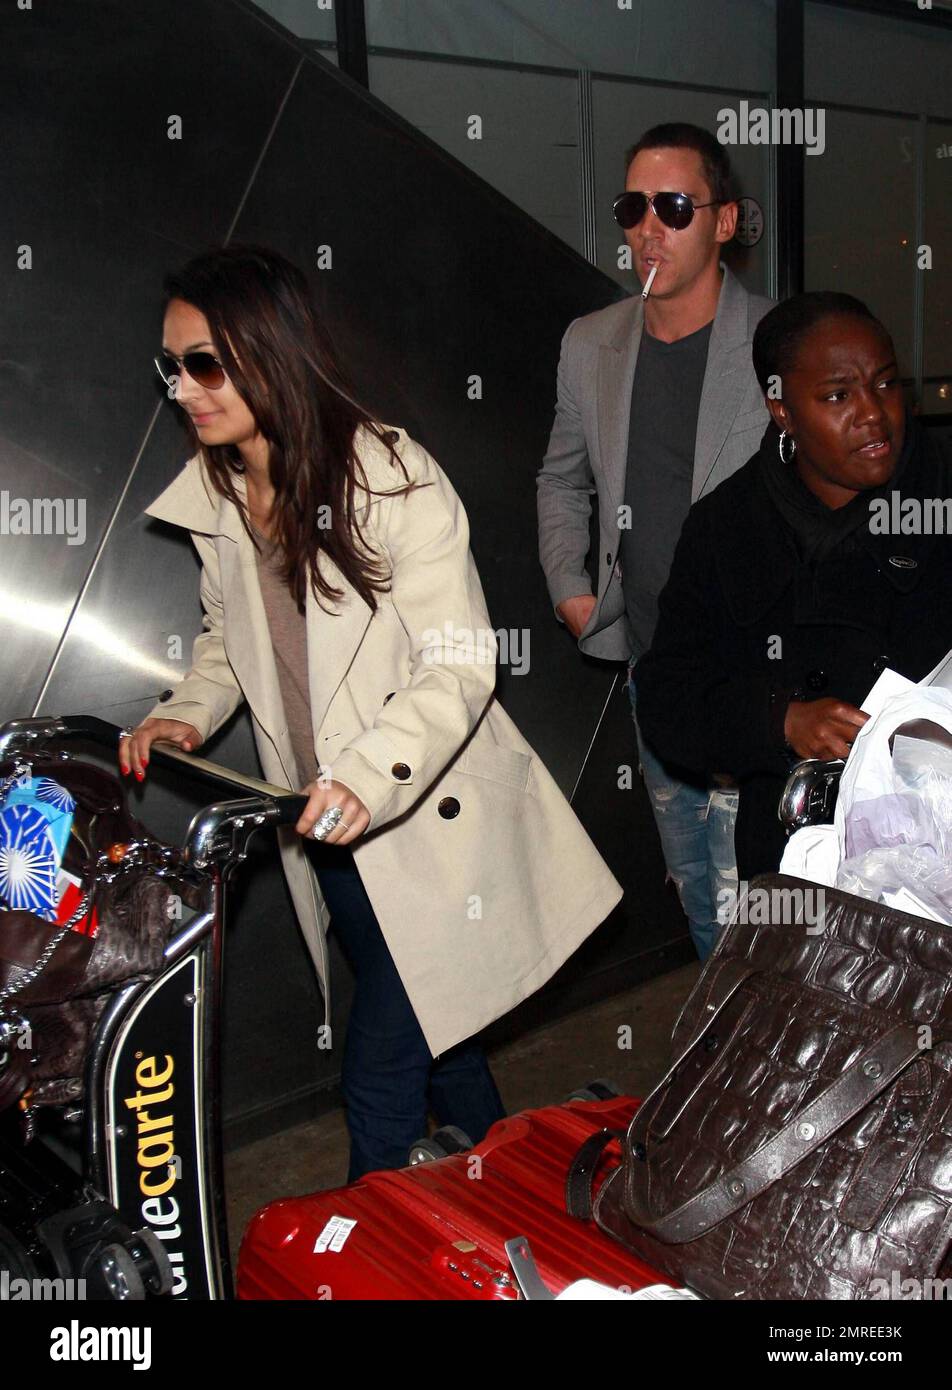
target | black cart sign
x=155, y=1134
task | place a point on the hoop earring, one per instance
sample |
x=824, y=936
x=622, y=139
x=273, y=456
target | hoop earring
x=793, y=449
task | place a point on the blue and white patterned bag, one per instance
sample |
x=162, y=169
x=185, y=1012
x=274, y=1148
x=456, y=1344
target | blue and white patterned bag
x=36, y=814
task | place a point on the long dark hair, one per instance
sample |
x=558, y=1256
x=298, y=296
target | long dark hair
x=258, y=306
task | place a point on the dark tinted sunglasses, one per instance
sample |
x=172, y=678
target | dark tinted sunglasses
x=675, y=210
x=201, y=367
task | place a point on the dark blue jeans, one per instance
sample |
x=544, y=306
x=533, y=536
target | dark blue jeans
x=389, y=1077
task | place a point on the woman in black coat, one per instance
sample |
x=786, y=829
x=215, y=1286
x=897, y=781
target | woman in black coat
x=801, y=577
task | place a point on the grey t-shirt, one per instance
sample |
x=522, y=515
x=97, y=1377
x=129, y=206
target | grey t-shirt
x=665, y=399
x=288, y=630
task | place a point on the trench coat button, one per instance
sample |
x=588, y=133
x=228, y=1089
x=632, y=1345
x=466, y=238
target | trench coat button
x=818, y=679
x=389, y=697
x=448, y=807
x=879, y=664
x=401, y=771
x=608, y=558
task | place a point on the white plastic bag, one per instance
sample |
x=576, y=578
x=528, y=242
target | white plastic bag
x=891, y=837
x=814, y=852
x=893, y=817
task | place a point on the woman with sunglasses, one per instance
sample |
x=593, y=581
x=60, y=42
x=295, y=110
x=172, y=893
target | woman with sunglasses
x=788, y=595
x=342, y=603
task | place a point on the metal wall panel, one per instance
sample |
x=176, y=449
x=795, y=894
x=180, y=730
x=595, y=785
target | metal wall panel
x=103, y=200
x=535, y=163
x=729, y=42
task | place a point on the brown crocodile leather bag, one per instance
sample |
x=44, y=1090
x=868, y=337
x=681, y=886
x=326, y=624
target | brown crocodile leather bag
x=800, y=1147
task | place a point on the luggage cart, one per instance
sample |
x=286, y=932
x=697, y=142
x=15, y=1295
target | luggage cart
x=72, y=1202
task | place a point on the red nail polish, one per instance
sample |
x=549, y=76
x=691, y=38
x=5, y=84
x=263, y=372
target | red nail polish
x=124, y=771
x=140, y=775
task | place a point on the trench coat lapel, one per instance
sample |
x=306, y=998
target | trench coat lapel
x=334, y=631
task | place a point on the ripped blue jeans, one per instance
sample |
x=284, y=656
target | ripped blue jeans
x=696, y=828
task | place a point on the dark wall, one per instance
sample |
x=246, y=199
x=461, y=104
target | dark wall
x=435, y=279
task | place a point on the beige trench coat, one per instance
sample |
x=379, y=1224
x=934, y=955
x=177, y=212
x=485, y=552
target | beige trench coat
x=478, y=908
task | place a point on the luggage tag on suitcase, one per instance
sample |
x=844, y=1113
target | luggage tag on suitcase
x=334, y=1235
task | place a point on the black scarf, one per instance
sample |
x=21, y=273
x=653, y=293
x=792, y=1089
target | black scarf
x=817, y=529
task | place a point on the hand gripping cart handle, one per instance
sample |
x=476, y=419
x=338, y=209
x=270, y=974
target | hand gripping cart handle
x=152, y=1069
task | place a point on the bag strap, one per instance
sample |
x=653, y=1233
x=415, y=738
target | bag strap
x=580, y=1178
x=726, y=979
x=873, y=1070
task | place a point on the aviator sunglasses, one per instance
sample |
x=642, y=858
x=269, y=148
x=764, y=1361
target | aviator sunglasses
x=675, y=210
x=201, y=367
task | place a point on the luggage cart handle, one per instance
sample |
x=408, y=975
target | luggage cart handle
x=20, y=735
x=809, y=795
x=222, y=832
x=219, y=832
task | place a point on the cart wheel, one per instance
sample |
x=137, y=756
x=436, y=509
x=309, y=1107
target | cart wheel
x=440, y=1144
x=453, y=1139
x=152, y=1261
x=119, y=1273
x=425, y=1151
x=600, y=1089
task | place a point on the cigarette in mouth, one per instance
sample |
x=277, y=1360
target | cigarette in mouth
x=649, y=282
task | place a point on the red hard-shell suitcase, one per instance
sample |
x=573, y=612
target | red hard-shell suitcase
x=438, y=1230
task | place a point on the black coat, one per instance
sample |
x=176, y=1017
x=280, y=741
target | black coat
x=714, y=687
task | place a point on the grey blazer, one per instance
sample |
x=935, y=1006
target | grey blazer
x=588, y=447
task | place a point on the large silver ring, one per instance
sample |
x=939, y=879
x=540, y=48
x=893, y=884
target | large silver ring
x=127, y=731
x=326, y=822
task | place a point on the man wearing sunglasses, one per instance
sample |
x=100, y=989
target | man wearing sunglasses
x=657, y=404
